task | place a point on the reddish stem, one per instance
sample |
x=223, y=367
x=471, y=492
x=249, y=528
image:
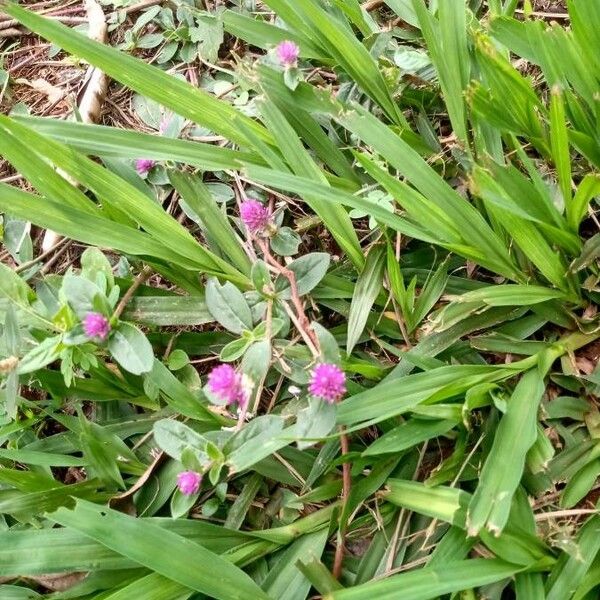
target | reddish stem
x=346, y=485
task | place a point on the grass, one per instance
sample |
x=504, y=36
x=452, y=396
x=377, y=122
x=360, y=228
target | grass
x=460, y=456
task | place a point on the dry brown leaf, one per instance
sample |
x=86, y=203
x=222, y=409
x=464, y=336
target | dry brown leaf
x=53, y=92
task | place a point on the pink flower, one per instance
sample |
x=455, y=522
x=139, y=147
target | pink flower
x=229, y=385
x=143, y=165
x=256, y=216
x=287, y=53
x=328, y=382
x=96, y=325
x=189, y=482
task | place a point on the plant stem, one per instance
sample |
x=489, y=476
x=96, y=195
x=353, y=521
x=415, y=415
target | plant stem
x=301, y=321
x=346, y=486
x=137, y=282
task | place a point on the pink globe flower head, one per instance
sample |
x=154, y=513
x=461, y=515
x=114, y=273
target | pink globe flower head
x=189, y=482
x=327, y=382
x=287, y=53
x=96, y=326
x=230, y=386
x=256, y=216
x=143, y=165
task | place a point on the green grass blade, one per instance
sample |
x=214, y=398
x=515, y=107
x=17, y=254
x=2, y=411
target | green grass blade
x=447, y=44
x=444, y=503
x=180, y=559
x=335, y=218
x=406, y=160
x=123, y=196
x=264, y=35
x=151, y=587
x=504, y=466
x=81, y=226
x=307, y=187
x=338, y=39
x=559, y=143
x=99, y=140
x=368, y=286
x=285, y=579
x=571, y=568
x=430, y=582
x=197, y=196
x=171, y=92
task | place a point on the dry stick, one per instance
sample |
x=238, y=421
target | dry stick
x=560, y=514
x=60, y=252
x=139, y=280
x=8, y=33
x=65, y=20
x=94, y=93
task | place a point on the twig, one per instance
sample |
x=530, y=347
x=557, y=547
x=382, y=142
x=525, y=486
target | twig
x=558, y=514
x=8, y=33
x=94, y=93
x=545, y=15
x=371, y=5
x=66, y=20
x=138, y=281
x=140, y=6
x=97, y=82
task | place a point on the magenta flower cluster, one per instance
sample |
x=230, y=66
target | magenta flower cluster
x=144, y=165
x=96, y=326
x=287, y=53
x=255, y=215
x=189, y=482
x=327, y=382
x=228, y=385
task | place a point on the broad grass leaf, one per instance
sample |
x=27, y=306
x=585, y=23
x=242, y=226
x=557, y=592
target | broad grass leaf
x=503, y=469
x=431, y=582
x=168, y=310
x=180, y=559
x=368, y=286
x=285, y=579
x=171, y=92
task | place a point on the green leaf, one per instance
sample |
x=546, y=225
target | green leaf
x=285, y=579
x=228, y=306
x=174, y=437
x=314, y=422
x=168, y=310
x=587, y=189
x=285, y=242
x=309, y=270
x=559, y=143
x=368, y=286
x=504, y=466
x=444, y=503
x=197, y=196
x=409, y=434
x=430, y=582
x=570, y=568
x=180, y=559
x=171, y=92
x=131, y=349
x=111, y=142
